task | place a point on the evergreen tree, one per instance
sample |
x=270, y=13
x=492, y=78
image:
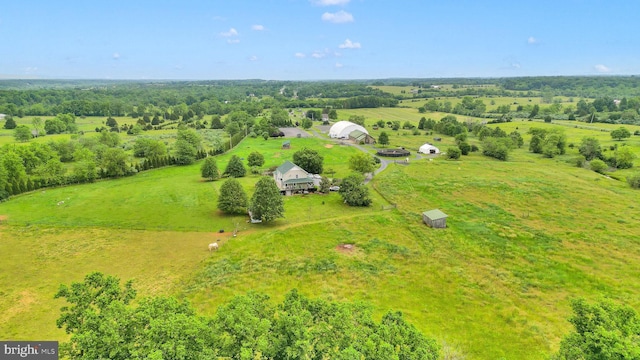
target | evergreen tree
x=235, y=168
x=267, y=203
x=232, y=198
x=383, y=139
x=209, y=169
x=10, y=123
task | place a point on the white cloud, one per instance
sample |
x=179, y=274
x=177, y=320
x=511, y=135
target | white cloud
x=339, y=65
x=116, y=56
x=348, y=44
x=602, y=68
x=330, y=2
x=232, y=32
x=339, y=17
x=253, y=58
x=531, y=40
x=258, y=27
x=318, y=55
x=300, y=55
x=233, y=41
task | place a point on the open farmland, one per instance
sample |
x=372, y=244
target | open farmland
x=524, y=237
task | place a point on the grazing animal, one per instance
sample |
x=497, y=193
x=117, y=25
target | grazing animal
x=213, y=246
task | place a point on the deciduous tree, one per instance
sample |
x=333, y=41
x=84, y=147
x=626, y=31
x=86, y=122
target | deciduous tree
x=22, y=133
x=209, y=169
x=603, y=330
x=114, y=162
x=620, y=133
x=361, y=163
x=184, y=152
x=383, y=139
x=309, y=160
x=354, y=192
x=255, y=159
x=267, y=203
x=235, y=168
x=232, y=198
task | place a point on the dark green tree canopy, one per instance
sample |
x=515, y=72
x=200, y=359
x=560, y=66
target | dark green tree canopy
x=255, y=159
x=354, y=192
x=383, y=139
x=209, y=169
x=267, y=203
x=235, y=168
x=105, y=325
x=308, y=159
x=9, y=123
x=232, y=198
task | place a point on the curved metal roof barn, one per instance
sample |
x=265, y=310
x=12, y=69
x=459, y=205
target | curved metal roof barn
x=342, y=129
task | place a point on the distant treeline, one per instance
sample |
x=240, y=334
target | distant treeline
x=576, y=86
x=121, y=98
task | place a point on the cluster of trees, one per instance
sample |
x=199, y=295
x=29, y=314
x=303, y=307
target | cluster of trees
x=602, y=330
x=549, y=143
x=104, y=324
x=266, y=204
x=593, y=155
x=29, y=167
x=87, y=158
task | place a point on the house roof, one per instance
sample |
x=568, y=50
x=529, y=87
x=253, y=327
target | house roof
x=435, y=214
x=357, y=134
x=285, y=167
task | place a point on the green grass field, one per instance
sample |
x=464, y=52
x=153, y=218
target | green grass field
x=524, y=237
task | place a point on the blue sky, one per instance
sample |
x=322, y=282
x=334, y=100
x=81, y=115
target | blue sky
x=317, y=39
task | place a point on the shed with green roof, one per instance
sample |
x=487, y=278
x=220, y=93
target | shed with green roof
x=435, y=218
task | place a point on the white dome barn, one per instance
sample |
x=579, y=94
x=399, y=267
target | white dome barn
x=428, y=149
x=342, y=129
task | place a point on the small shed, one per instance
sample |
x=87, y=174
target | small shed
x=286, y=144
x=435, y=218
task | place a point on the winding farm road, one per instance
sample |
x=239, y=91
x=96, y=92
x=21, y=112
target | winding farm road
x=383, y=162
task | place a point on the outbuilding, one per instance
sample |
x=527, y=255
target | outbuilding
x=342, y=129
x=435, y=219
x=428, y=149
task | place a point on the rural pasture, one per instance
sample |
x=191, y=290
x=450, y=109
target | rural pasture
x=524, y=238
